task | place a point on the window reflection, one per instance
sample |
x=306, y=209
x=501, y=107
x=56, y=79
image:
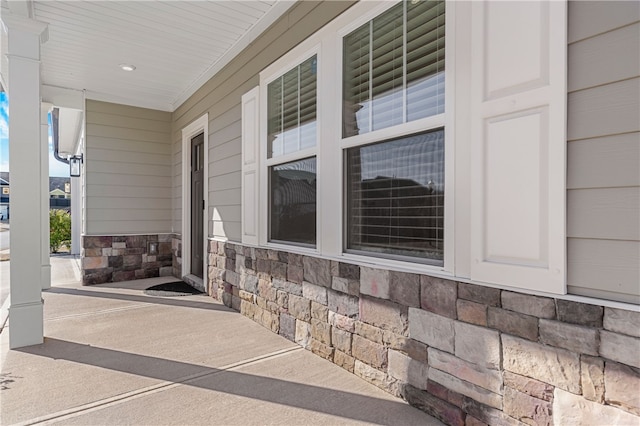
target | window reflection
x=293, y=202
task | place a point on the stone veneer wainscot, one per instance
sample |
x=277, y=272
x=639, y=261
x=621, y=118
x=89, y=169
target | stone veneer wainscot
x=466, y=354
x=123, y=258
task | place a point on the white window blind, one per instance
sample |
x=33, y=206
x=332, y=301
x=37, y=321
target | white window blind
x=292, y=110
x=393, y=68
x=395, y=197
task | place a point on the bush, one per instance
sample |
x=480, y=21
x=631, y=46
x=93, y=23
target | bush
x=59, y=229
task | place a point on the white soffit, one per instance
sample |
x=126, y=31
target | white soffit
x=176, y=46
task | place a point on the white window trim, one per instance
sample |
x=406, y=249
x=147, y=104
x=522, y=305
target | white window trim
x=294, y=58
x=445, y=120
x=200, y=125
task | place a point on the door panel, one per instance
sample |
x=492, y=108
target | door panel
x=197, y=205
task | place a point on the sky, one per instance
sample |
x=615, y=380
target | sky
x=56, y=168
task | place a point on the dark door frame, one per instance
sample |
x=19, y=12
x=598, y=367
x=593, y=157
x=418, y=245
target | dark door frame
x=200, y=125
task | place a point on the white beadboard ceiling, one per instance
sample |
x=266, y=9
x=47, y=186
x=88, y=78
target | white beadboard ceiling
x=176, y=46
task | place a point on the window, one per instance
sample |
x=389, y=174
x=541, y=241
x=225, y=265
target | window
x=387, y=130
x=393, y=73
x=395, y=197
x=291, y=138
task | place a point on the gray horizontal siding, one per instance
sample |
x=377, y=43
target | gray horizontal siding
x=603, y=168
x=590, y=60
x=609, y=161
x=128, y=170
x=607, y=266
x=220, y=97
x=604, y=110
x=591, y=18
x=604, y=213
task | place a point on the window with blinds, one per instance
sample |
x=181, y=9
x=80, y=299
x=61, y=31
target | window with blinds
x=291, y=110
x=393, y=68
x=395, y=197
x=292, y=129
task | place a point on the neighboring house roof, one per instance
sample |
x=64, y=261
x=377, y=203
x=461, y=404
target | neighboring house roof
x=57, y=192
x=54, y=182
x=58, y=183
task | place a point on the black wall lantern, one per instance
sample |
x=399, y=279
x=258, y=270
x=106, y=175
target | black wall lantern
x=75, y=163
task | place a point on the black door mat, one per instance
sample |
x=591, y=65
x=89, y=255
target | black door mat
x=176, y=288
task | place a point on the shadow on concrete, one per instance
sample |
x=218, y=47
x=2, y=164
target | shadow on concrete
x=141, y=299
x=308, y=397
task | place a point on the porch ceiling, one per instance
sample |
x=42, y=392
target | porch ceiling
x=176, y=46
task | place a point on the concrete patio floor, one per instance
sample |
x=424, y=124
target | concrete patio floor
x=113, y=355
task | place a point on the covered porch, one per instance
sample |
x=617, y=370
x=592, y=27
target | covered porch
x=510, y=294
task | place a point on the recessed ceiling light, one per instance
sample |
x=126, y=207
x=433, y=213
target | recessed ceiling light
x=127, y=67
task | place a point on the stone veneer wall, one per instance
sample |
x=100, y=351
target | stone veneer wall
x=466, y=354
x=123, y=258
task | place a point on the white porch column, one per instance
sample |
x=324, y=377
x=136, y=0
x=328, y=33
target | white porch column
x=45, y=266
x=23, y=54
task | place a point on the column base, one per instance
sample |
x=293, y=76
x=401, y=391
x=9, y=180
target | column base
x=26, y=324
